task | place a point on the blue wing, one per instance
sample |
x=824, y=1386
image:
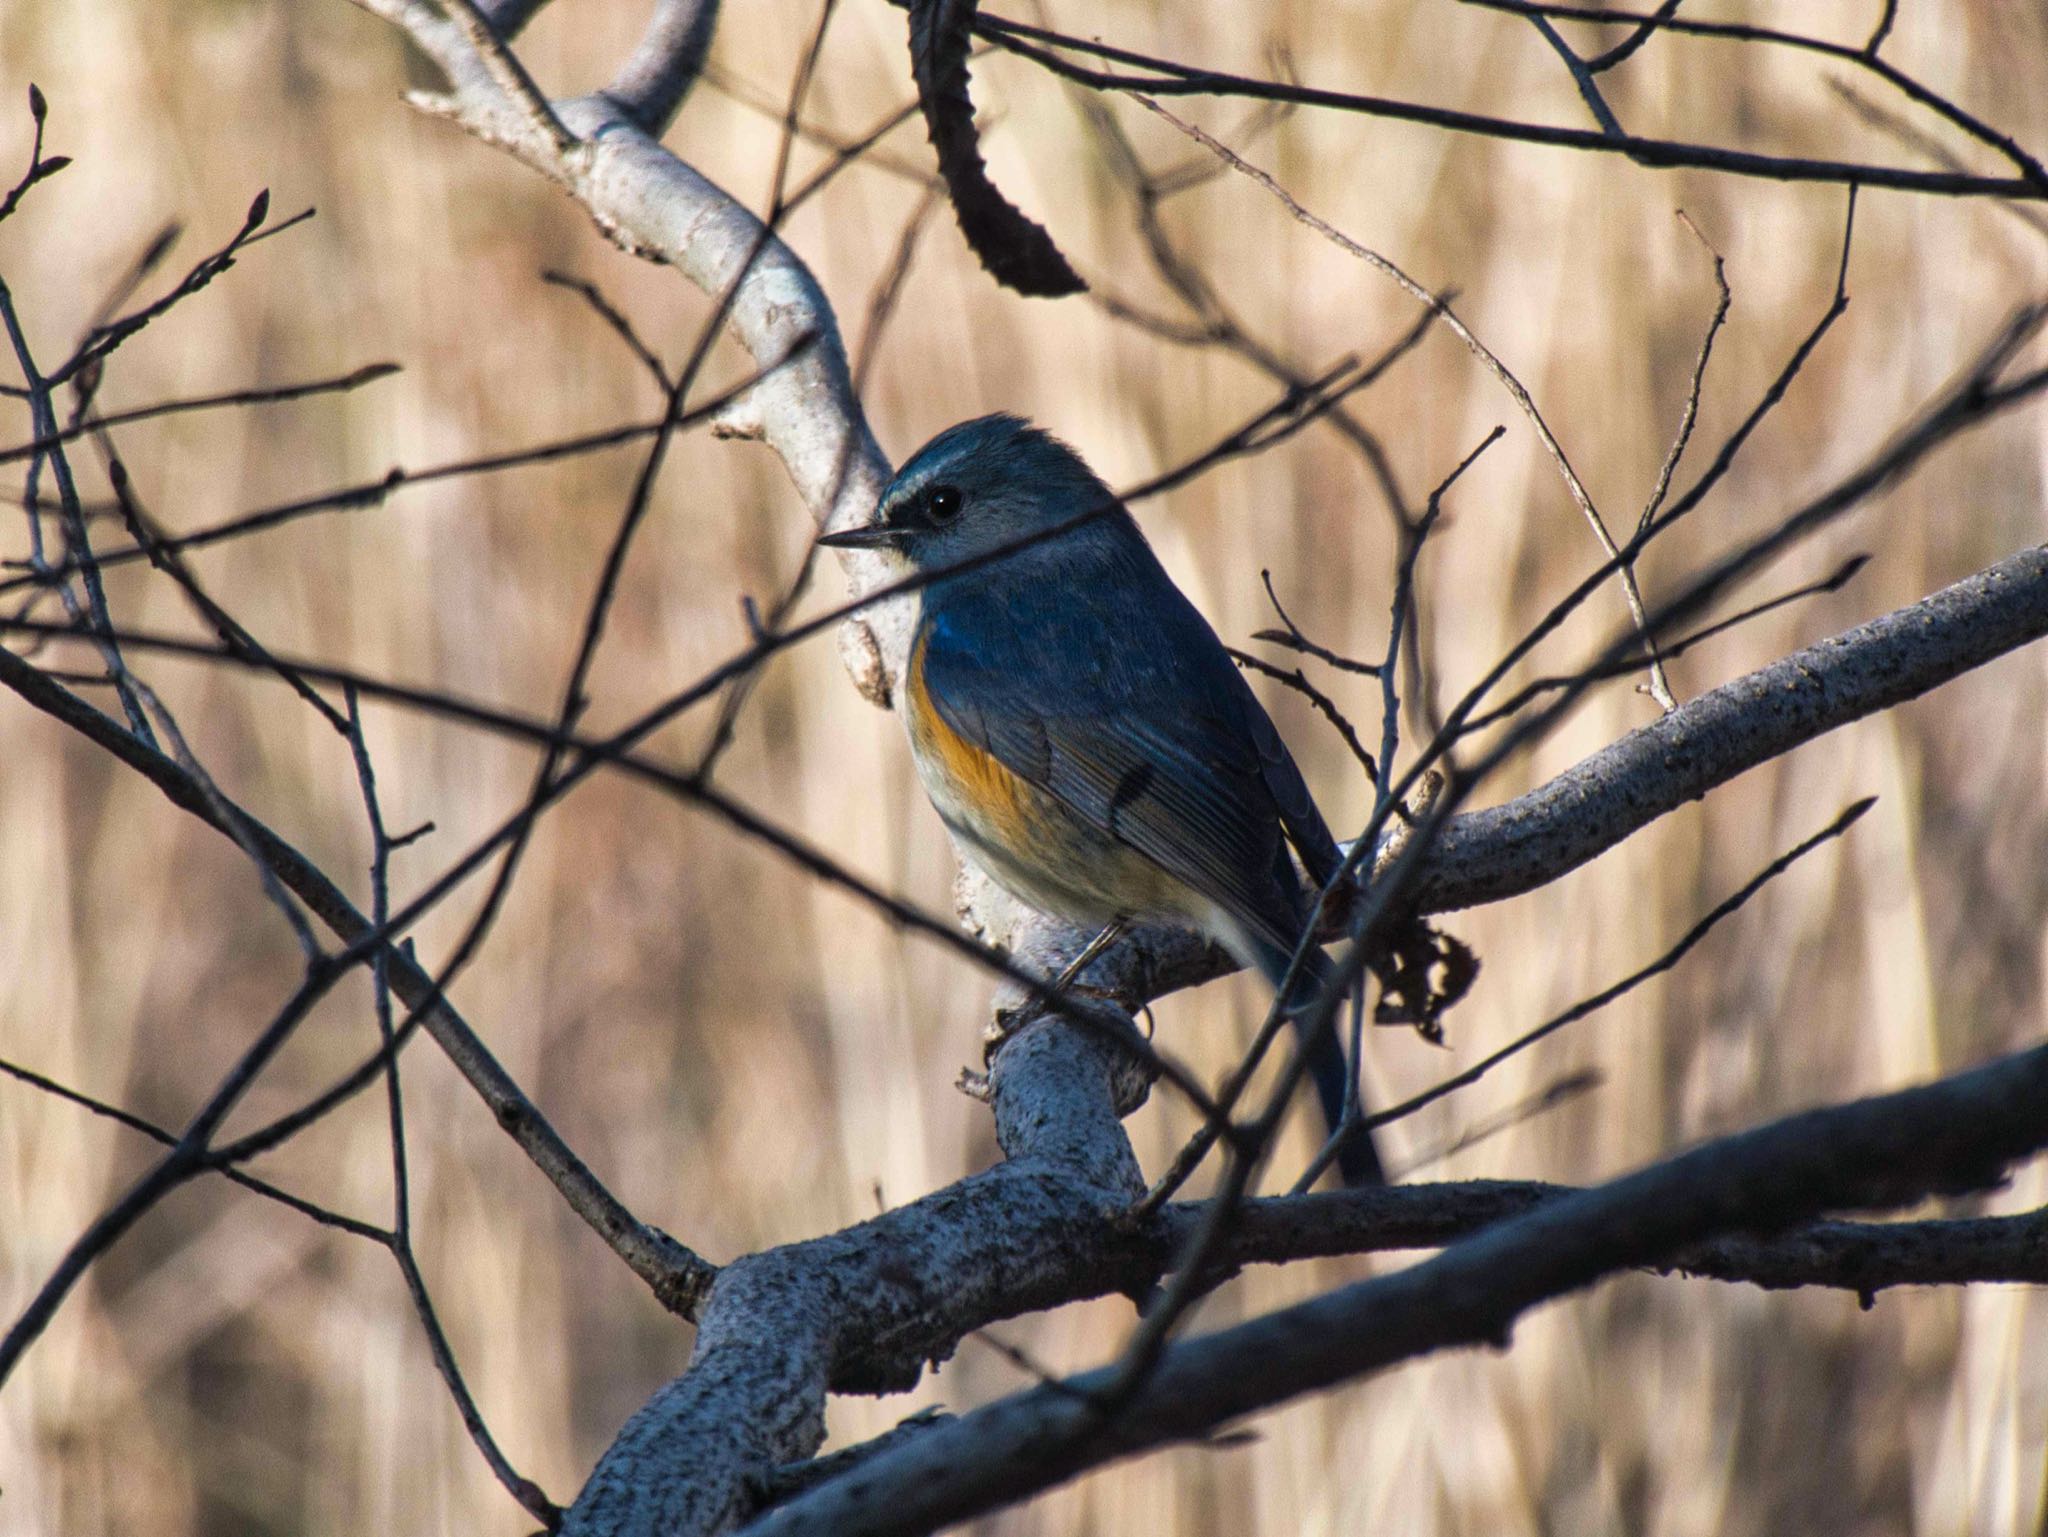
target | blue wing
x=1127, y=709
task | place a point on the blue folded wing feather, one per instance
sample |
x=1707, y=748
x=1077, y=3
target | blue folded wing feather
x=1132, y=716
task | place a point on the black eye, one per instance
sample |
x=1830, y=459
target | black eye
x=942, y=505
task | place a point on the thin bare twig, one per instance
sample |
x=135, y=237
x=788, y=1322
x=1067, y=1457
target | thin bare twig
x=1660, y=690
x=621, y=327
x=888, y=291
x=1254, y=1140
x=1385, y=787
x=1896, y=125
x=1292, y=638
x=146, y=262
x=1168, y=78
x=233, y=635
x=1403, y=607
x=272, y=395
x=39, y=167
x=103, y=340
x=1582, y=74
x=1665, y=19
x=1665, y=962
x=1297, y=680
x=91, y=613
x=236, y=826
x=1216, y=324
x=1690, y=415
x=1732, y=446
x=529, y=1494
x=1624, y=50
x=861, y=146
x=1560, y=1090
x=182, y=1162
x=367, y=494
x=325, y=1216
x=1834, y=581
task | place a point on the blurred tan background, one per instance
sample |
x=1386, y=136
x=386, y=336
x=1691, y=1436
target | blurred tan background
x=749, y=1059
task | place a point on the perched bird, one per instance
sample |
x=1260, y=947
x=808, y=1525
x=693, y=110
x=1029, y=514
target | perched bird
x=1079, y=726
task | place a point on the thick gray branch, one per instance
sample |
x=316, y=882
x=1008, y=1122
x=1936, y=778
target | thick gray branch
x=1957, y=1133
x=1485, y=856
x=861, y=1310
x=864, y=1309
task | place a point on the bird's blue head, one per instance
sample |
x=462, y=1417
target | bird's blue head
x=986, y=486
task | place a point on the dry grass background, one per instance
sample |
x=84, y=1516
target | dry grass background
x=749, y=1059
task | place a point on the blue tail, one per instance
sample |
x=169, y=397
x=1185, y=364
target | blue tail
x=1358, y=1161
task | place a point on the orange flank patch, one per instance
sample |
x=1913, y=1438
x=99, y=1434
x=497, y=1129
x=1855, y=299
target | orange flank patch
x=980, y=788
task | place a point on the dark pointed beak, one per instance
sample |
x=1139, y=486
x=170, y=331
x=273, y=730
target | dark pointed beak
x=864, y=536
